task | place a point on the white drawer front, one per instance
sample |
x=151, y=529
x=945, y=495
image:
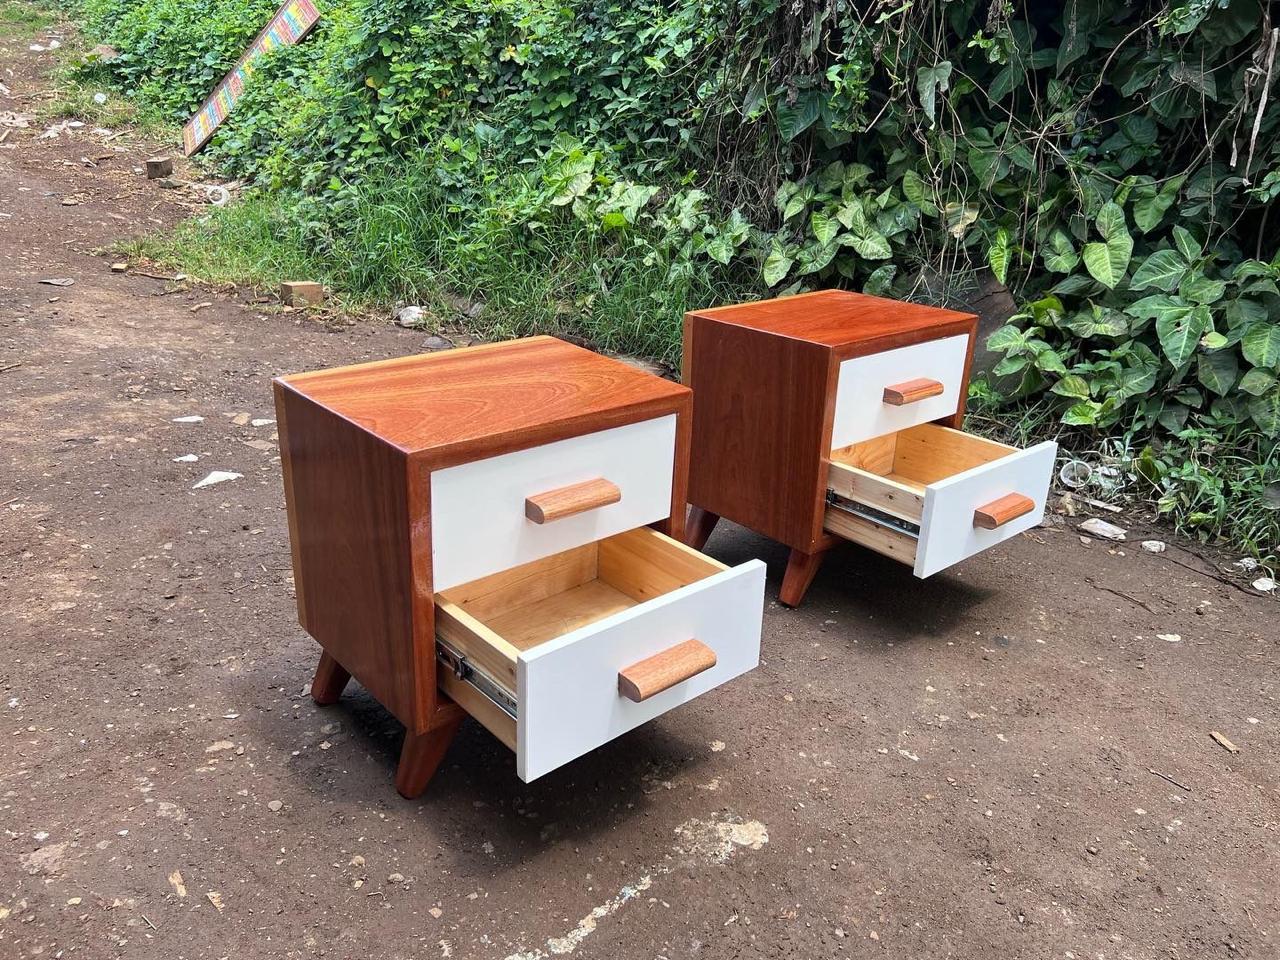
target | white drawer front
x=947, y=533
x=568, y=687
x=861, y=412
x=478, y=522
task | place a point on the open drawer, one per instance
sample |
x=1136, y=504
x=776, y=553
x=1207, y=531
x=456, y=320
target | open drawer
x=561, y=655
x=931, y=496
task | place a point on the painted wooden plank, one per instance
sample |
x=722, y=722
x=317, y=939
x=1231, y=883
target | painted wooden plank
x=861, y=412
x=289, y=24
x=478, y=522
x=947, y=533
x=568, y=688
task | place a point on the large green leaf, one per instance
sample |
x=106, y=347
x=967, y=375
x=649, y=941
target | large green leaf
x=1257, y=382
x=1073, y=385
x=776, y=266
x=1261, y=345
x=1060, y=254
x=871, y=245
x=1179, y=333
x=1162, y=270
x=915, y=190
x=1200, y=289
x=1217, y=371
x=1157, y=306
x=1108, y=261
x=1187, y=244
x=881, y=280
x=930, y=81
x=795, y=118
x=824, y=227
x=1265, y=411
x=1006, y=338
x=1000, y=253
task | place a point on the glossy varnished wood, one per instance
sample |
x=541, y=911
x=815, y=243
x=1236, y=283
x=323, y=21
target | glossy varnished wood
x=764, y=377
x=358, y=448
x=467, y=404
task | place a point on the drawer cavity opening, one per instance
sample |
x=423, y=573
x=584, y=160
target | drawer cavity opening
x=484, y=626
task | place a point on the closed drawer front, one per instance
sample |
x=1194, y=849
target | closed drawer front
x=930, y=496
x=886, y=392
x=494, y=514
x=566, y=653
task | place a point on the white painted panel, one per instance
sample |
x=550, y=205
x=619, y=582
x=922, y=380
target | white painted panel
x=478, y=524
x=947, y=533
x=861, y=412
x=568, y=687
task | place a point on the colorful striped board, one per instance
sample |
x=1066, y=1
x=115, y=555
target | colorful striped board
x=288, y=25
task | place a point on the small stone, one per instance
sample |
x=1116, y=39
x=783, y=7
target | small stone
x=274, y=805
x=436, y=912
x=120, y=267
x=1169, y=637
x=1154, y=546
x=1092, y=850
x=356, y=861
x=325, y=744
x=395, y=878
x=717, y=746
x=435, y=342
x=74, y=902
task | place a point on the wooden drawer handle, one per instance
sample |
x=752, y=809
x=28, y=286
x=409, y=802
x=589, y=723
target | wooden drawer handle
x=912, y=391
x=571, y=500
x=999, y=512
x=664, y=670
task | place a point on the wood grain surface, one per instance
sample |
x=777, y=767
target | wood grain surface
x=664, y=670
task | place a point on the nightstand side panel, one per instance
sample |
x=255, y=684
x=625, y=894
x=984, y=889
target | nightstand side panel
x=350, y=523
x=760, y=410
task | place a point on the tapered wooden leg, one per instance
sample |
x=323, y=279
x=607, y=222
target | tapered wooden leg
x=698, y=527
x=801, y=569
x=421, y=755
x=330, y=681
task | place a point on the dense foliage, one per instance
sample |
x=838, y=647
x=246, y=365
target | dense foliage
x=599, y=166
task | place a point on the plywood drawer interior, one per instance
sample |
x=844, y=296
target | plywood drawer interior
x=930, y=495
x=498, y=638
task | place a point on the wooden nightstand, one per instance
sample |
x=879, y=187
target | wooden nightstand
x=471, y=534
x=835, y=416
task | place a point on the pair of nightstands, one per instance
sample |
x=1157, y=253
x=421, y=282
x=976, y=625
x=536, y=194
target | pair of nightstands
x=500, y=530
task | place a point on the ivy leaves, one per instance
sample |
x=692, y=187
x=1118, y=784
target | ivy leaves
x=1108, y=261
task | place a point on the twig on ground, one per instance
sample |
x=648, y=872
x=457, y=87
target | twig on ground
x=1165, y=776
x=1119, y=593
x=10, y=366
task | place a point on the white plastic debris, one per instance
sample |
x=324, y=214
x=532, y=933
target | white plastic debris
x=186, y=458
x=1169, y=637
x=1247, y=564
x=409, y=316
x=217, y=476
x=194, y=418
x=1100, y=528
x=1154, y=546
x=261, y=422
x=1074, y=474
x=1264, y=585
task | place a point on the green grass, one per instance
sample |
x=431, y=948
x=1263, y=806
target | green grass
x=23, y=20
x=404, y=239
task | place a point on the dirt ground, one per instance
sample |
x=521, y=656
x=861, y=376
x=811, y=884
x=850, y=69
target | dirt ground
x=1005, y=761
